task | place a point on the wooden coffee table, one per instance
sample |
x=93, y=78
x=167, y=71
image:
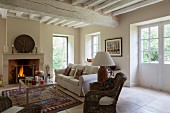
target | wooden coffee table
x=29, y=86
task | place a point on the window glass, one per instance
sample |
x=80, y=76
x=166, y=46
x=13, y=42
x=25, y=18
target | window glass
x=145, y=57
x=154, y=32
x=154, y=44
x=167, y=30
x=145, y=33
x=144, y=45
x=154, y=56
x=166, y=44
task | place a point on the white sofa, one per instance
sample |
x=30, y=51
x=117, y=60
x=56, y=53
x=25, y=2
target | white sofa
x=78, y=86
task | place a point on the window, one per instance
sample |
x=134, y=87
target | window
x=166, y=36
x=60, y=52
x=95, y=44
x=92, y=45
x=149, y=44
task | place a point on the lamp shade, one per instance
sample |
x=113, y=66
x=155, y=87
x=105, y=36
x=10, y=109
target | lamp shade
x=102, y=58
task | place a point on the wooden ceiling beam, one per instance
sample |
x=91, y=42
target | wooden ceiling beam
x=44, y=19
x=53, y=20
x=68, y=23
x=60, y=10
x=75, y=2
x=119, y=5
x=60, y=22
x=3, y=13
x=83, y=25
x=136, y=6
x=105, y=4
x=91, y=3
x=76, y=24
x=19, y=14
x=31, y=16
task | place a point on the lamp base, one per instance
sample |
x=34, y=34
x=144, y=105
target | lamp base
x=102, y=74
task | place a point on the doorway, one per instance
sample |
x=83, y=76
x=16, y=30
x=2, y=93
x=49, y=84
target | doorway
x=154, y=55
x=60, y=52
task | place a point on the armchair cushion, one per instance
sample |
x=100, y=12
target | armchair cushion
x=106, y=100
x=13, y=109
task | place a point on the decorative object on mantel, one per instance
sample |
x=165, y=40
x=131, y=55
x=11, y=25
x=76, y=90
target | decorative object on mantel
x=24, y=44
x=102, y=59
x=36, y=49
x=12, y=48
x=6, y=49
x=114, y=47
x=1, y=82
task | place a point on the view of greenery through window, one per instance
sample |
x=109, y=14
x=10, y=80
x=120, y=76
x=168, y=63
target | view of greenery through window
x=167, y=44
x=150, y=44
x=59, y=52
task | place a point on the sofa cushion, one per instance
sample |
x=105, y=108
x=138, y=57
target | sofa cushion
x=67, y=71
x=74, y=81
x=78, y=73
x=94, y=69
x=87, y=69
x=90, y=69
x=74, y=66
x=72, y=72
x=67, y=78
x=70, y=65
x=80, y=67
x=60, y=76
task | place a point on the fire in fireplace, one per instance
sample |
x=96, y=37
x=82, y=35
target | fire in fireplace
x=21, y=72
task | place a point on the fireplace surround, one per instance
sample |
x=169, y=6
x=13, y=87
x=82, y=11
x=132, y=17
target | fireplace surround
x=16, y=60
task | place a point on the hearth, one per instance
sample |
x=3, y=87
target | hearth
x=11, y=60
x=19, y=69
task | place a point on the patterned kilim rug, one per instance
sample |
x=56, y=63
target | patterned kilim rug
x=51, y=100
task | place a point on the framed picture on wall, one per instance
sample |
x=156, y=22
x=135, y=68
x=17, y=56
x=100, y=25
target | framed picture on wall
x=114, y=46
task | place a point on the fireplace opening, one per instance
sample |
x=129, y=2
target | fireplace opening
x=19, y=69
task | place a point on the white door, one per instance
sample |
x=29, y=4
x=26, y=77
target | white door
x=149, y=55
x=154, y=55
x=166, y=56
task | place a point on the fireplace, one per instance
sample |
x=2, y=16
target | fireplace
x=12, y=63
x=21, y=68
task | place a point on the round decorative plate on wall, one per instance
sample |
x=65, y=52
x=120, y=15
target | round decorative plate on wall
x=24, y=44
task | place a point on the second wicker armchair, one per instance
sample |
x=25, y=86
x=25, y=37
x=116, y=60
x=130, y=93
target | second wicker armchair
x=111, y=89
x=6, y=103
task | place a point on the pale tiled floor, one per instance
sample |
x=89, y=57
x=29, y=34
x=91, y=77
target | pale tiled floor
x=133, y=100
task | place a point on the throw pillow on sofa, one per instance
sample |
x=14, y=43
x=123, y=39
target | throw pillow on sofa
x=78, y=73
x=72, y=72
x=67, y=71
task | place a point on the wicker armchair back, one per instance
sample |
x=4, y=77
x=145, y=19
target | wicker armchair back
x=91, y=102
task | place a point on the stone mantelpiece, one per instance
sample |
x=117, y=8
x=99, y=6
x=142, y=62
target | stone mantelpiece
x=15, y=56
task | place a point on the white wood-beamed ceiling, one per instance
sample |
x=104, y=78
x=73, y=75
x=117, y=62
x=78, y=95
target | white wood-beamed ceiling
x=72, y=13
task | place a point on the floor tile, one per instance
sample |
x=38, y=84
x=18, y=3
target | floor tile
x=147, y=109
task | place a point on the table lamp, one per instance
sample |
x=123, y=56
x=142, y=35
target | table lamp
x=102, y=59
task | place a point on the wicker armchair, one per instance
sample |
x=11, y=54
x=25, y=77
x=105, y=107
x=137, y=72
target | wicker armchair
x=5, y=103
x=91, y=102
